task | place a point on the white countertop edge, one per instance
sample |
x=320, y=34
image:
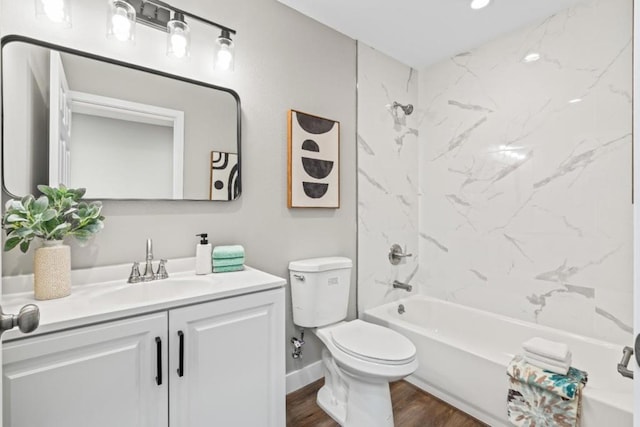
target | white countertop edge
x=102, y=302
x=86, y=276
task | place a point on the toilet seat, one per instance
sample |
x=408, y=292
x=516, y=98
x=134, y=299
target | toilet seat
x=373, y=343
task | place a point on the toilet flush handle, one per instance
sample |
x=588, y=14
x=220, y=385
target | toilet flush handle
x=299, y=277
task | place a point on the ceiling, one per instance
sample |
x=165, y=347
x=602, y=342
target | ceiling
x=422, y=32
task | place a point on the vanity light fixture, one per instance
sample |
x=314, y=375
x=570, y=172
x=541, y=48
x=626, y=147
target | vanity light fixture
x=121, y=21
x=178, y=37
x=57, y=11
x=164, y=17
x=223, y=52
x=479, y=4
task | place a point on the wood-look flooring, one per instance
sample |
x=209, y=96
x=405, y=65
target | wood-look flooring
x=412, y=407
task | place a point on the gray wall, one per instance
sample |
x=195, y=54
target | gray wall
x=284, y=60
x=28, y=120
x=210, y=115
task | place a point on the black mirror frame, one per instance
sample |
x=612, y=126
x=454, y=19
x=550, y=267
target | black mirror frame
x=16, y=38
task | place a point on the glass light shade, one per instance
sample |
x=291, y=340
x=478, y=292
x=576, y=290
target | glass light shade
x=224, y=51
x=178, y=37
x=121, y=21
x=56, y=11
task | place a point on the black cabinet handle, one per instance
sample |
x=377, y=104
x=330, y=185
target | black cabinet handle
x=159, y=360
x=181, y=357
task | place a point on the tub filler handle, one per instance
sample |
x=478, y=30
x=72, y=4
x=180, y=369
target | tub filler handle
x=397, y=254
x=627, y=352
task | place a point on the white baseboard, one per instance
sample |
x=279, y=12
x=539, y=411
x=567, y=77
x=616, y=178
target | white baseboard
x=304, y=376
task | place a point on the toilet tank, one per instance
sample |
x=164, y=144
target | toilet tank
x=320, y=290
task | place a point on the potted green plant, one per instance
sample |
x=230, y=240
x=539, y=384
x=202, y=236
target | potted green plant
x=56, y=214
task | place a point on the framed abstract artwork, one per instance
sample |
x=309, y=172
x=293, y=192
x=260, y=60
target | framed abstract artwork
x=313, y=161
x=223, y=182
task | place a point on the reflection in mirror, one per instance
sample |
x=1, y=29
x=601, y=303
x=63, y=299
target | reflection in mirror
x=121, y=131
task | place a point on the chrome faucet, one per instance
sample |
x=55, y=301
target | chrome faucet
x=400, y=285
x=149, y=275
x=148, y=266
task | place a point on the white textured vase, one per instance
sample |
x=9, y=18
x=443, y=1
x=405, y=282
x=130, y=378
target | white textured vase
x=52, y=270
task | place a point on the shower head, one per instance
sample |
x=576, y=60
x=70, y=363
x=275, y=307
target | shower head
x=407, y=109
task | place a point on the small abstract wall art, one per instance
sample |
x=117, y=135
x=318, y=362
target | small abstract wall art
x=314, y=161
x=224, y=184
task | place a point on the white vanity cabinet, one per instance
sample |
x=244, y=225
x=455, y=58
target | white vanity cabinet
x=230, y=371
x=99, y=376
x=216, y=363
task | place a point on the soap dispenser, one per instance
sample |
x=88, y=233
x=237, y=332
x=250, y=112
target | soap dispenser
x=203, y=255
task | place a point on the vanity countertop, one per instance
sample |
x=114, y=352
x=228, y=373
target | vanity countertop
x=110, y=300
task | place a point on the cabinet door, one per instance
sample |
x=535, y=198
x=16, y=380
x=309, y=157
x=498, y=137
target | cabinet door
x=232, y=372
x=98, y=376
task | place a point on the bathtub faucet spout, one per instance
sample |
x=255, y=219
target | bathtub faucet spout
x=400, y=285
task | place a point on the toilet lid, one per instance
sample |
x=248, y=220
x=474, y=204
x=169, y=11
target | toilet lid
x=373, y=343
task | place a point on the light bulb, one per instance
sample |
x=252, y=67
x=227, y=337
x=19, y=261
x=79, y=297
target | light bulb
x=179, y=43
x=121, y=21
x=54, y=9
x=120, y=25
x=223, y=52
x=224, y=58
x=179, y=37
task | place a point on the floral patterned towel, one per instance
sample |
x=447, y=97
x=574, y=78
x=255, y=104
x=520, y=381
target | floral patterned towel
x=566, y=386
x=540, y=398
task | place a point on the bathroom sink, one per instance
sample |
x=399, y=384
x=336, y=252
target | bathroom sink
x=157, y=290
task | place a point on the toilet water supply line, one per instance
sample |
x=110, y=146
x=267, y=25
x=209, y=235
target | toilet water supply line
x=297, y=345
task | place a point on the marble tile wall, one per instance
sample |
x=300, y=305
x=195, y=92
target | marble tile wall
x=525, y=175
x=387, y=176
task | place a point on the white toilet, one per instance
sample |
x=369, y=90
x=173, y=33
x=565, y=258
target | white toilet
x=360, y=358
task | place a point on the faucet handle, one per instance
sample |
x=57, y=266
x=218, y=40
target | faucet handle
x=162, y=270
x=134, y=277
x=397, y=254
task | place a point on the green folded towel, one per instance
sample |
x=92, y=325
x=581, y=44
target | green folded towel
x=228, y=262
x=232, y=251
x=228, y=269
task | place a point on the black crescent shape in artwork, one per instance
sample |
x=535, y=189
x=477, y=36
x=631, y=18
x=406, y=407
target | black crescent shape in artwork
x=315, y=190
x=235, y=182
x=310, y=145
x=232, y=184
x=314, y=125
x=315, y=168
x=224, y=159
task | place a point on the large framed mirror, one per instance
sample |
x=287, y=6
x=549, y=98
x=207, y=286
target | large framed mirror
x=122, y=131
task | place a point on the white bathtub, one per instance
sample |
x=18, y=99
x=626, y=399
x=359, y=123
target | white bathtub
x=463, y=354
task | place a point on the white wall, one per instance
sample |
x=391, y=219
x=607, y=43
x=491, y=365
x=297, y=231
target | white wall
x=387, y=176
x=526, y=198
x=284, y=60
x=120, y=158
